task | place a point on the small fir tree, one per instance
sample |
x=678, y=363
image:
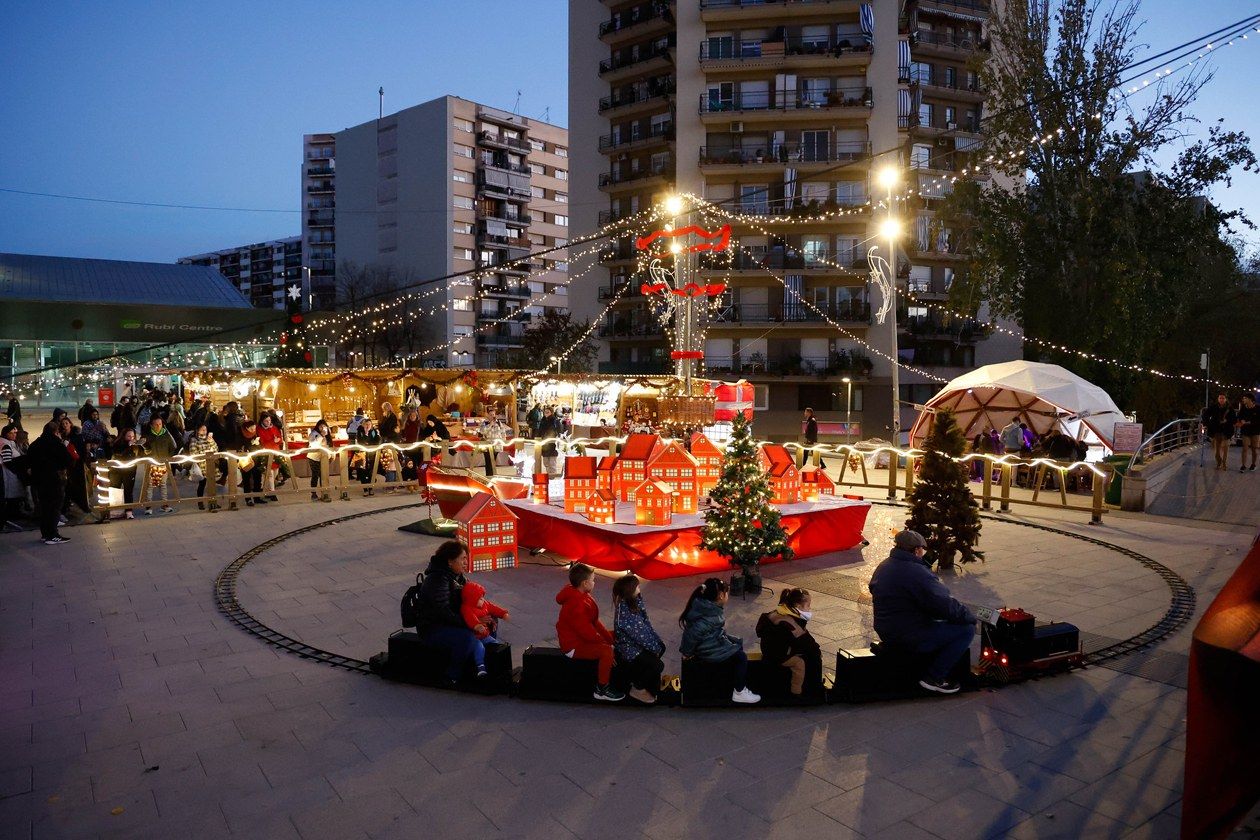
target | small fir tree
x=741, y=525
x=942, y=508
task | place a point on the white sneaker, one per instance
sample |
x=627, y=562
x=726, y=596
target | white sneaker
x=744, y=695
x=61, y=520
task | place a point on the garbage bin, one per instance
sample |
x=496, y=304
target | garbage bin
x=1119, y=465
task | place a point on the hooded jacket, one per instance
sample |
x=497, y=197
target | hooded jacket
x=704, y=636
x=783, y=635
x=908, y=599
x=440, y=599
x=579, y=620
x=633, y=632
x=479, y=619
x=160, y=444
x=49, y=459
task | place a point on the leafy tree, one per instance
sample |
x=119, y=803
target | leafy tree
x=942, y=507
x=556, y=332
x=1079, y=237
x=741, y=525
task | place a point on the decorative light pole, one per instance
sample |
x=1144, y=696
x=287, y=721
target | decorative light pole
x=890, y=229
x=848, y=409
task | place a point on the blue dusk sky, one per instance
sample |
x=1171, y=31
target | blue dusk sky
x=206, y=104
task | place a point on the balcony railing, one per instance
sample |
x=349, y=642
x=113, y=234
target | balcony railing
x=843, y=151
x=507, y=290
x=792, y=45
x=622, y=251
x=635, y=16
x=503, y=215
x=800, y=208
x=941, y=83
x=607, y=178
x=506, y=241
x=660, y=131
x=785, y=100
x=610, y=292
x=757, y=4
x=760, y=313
x=963, y=43
x=654, y=88
x=753, y=260
x=969, y=5
x=630, y=58
x=320, y=188
x=930, y=326
x=494, y=138
x=626, y=328
x=518, y=168
x=320, y=170
x=640, y=368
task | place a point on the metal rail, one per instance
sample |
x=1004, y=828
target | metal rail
x=1174, y=435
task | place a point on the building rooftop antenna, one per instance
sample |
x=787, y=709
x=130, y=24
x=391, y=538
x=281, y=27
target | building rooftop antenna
x=380, y=112
x=516, y=106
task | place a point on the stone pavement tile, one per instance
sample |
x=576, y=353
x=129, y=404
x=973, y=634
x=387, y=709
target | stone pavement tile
x=1030, y=787
x=969, y=815
x=15, y=781
x=276, y=826
x=1124, y=798
x=1163, y=825
x=692, y=745
x=161, y=748
x=606, y=776
x=1047, y=727
x=137, y=812
x=1084, y=759
x=243, y=808
x=773, y=756
x=711, y=819
x=312, y=758
x=250, y=687
x=113, y=735
x=810, y=823
x=854, y=769
x=267, y=721
x=402, y=767
x=874, y=806
x=937, y=777
x=230, y=758
x=998, y=750
x=379, y=811
x=903, y=830
x=774, y=797
x=631, y=812
x=1069, y=821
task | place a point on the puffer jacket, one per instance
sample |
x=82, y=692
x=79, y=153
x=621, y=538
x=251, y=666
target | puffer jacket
x=783, y=635
x=908, y=599
x=441, y=597
x=704, y=636
x=579, y=620
x=160, y=446
x=633, y=632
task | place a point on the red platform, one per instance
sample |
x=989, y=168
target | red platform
x=656, y=552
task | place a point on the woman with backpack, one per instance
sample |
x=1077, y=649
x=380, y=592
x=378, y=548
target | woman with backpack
x=435, y=609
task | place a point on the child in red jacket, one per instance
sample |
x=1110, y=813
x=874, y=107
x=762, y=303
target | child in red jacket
x=580, y=632
x=481, y=615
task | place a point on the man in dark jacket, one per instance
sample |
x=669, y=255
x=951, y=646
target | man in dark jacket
x=914, y=611
x=549, y=427
x=1218, y=424
x=811, y=438
x=49, y=461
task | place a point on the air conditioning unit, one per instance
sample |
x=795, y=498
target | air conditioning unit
x=737, y=128
x=942, y=141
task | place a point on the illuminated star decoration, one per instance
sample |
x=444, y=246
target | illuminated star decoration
x=295, y=291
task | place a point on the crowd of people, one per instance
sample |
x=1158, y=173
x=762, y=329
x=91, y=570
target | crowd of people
x=1222, y=421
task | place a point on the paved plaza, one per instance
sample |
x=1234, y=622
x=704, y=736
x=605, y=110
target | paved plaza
x=133, y=708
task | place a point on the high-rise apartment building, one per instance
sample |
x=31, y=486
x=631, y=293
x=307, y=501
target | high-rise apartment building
x=319, y=246
x=454, y=192
x=781, y=112
x=264, y=271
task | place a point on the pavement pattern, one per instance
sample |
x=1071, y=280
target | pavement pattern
x=131, y=708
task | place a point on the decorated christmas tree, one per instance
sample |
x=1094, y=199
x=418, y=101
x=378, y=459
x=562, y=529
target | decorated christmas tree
x=942, y=508
x=741, y=525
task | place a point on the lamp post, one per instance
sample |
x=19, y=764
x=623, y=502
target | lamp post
x=889, y=229
x=848, y=409
x=683, y=315
x=556, y=361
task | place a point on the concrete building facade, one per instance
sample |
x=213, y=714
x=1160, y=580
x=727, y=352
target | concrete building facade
x=263, y=271
x=781, y=113
x=445, y=189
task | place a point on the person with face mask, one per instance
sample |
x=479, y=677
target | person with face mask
x=785, y=641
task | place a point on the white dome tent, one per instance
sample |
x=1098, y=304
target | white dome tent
x=1038, y=394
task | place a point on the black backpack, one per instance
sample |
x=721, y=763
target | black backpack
x=410, y=606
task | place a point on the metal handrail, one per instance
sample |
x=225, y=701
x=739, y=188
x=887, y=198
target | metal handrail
x=1184, y=432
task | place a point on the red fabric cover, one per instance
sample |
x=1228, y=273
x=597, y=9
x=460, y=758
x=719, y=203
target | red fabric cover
x=474, y=616
x=658, y=553
x=579, y=620
x=1222, y=776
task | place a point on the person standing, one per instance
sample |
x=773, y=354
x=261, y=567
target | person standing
x=320, y=439
x=369, y=436
x=202, y=447
x=1012, y=437
x=811, y=438
x=126, y=450
x=14, y=412
x=10, y=481
x=85, y=410
x=161, y=446
x=272, y=437
x=549, y=429
x=1249, y=426
x=1218, y=424
x=50, y=461
x=251, y=467
x=388, y=426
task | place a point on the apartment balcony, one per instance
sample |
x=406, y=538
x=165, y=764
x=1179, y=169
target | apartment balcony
x=324, y=188
x=938, y=328
x=317, y=171
x=497, y=312
x=502, y=214
x=791, y=52
x=977, y=10
x=632, y=290
x=757, y=315
x=503, y=118
x=789, y=364
x=500, y=192
x=507, y=290
x=776, y=11
x=496, y=140
x=502, y=335
x=641, y=21
x=856, y=207
x=758, y=260
x=650, y=368
x=643, y=179
x=621, y=105
x=779, y=106
x=938, y=88
x=660, y=135
x=517, y=168
x=320, y=218
x=940, y=250
x=969, y=129
x=942, y=45
x=628, y=328
x=507, y=262
x=719, y=160
x=622, y=252
x=495, y=240
x=608, y=217
x=652, y=59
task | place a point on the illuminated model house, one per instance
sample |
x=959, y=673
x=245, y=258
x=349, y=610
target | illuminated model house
x=542, y=490
x=606, y=473
x=601, y=507
x=815, y=483
x=653, y=503
x=579, y=481
x=488, y=528
x=671, y=464
x=708, y=463
x=632, y=464
x=785, y=478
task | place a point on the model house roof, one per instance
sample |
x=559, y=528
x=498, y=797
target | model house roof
x=579, y=466
x=638, y=447
x=673, y=451
x=702, y=445
x=816, y=476
x=779, y=459
x=484, y=506
x=608, y=462
x=604, y=495
x=653, y=488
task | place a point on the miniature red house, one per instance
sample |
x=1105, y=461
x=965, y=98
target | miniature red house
x=671, y=464
x=606, y=473
x=579, y=480
x=653, y=503
x=601, y=507
x=542, y=488
x=816, y=483
x=632, y=464
x=708, y=463
x=785, y=478
x=488, y=528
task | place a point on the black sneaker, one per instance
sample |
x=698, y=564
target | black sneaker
x=482, y=673
x=939, y=686
x=608, y=693
x=57, y=540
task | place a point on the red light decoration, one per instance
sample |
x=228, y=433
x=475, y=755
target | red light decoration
x=717, y=240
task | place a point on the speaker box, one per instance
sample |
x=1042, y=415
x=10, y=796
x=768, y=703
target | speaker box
x=707, y=683
x=547, y=674
x=887, y=673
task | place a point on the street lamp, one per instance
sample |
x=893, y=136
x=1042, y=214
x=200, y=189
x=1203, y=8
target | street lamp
x=890, y=229
x=556, y=360
x=848, y=409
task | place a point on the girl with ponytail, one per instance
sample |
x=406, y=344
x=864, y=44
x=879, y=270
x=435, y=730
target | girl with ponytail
x=703, y=621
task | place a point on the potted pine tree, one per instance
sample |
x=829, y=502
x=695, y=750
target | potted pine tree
x=942, y=508
x=740, y=523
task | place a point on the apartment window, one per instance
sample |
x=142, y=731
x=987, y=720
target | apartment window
x=753, y=198
x=815, y=191
x=660, y=124
x=537, y=192
x=537, y=145
x=761, y=397
x=920, y=157
x=561, y=151
x=921, y=73
x=563, y=221
x=462, y=177
x=951, y=116
x=461, y=305
x=464, y=254
x=463, y=125
x=562, y=174
x=722, y=96
x=462, y=227
x=973, y=82
x=463, y=151
x=562, y=198
x=951, y=77
x=973, y=120
x=721, y=46
x=814, y=145
x=925, y=114
x=463, y=203
x=660, y=162
x=537, y=169
x=850, y=192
